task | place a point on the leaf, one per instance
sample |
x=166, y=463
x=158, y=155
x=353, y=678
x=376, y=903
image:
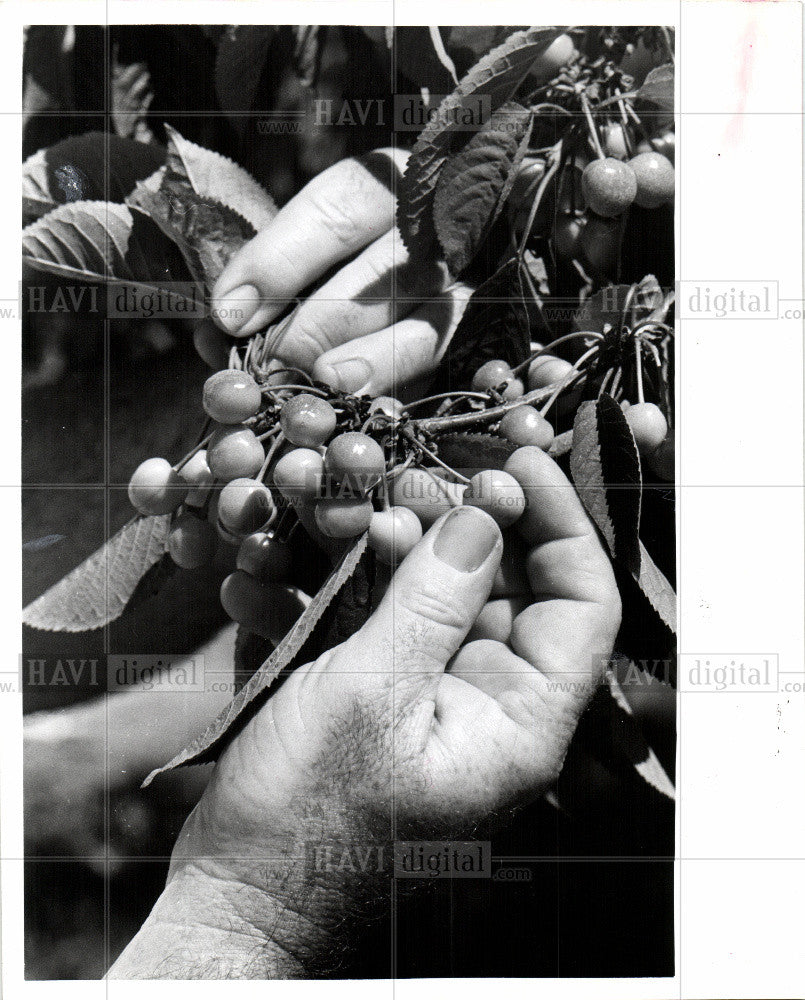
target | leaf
x=206, y=232
x=562, y=444
x=475, y=183
x=96, y=592
x=209, y=745
x=307, y=50
x=613, y=306
x=605, y=467
x=655, y=99
x=475, y=451
x=657, y=589
x=631, y=742
x=36, y=197
x=494, y=78
x=239, y=66
x=100, y=241
x=494, y=325
x=215, y=178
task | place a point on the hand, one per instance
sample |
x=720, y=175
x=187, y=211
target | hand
x=378, y=323
x=404, y=730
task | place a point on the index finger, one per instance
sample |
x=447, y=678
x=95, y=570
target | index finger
x=341, y=211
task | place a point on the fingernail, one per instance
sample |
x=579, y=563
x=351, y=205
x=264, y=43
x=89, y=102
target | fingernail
x=237, y=307
x=352, y=374
x=466, y=539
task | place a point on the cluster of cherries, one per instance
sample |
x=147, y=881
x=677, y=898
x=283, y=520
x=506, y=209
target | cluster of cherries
x=342, y=481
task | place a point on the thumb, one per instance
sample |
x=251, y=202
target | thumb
x=432, y=601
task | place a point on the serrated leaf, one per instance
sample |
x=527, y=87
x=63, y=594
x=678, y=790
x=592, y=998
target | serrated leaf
x=605, y=467
x=476, y=181
x=215, y=178
x=495, y=77
x=494, y=325
x=96, y=592
x=475, y=451
x=655, y=99
x=658, y=590
x=36, y=197
x=561, y=445
x=99, y=241
x=208, y=746
x=631, y=742
x=609, y=307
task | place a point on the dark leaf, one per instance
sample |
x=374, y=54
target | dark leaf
x=630, y=741
x=239, y=65
x=494, y=78
x=494, y=325
x=476, y=181
x=467, y=45
x=475, y=451
x=614, y=306
x=96, y=592
x=655, y=99
x=208, y=746
x=657, y=589
x=605, y=467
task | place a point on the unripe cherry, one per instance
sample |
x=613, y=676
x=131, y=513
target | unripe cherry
x=231, y=396
x=196, y=473
x=265, y=558
x=655, y=179
x=609, y=186
x=234, y=453
x=425, y=494
x=307, y=420
x=193, y=541
x=648, y=425
x=547, y=370
x=155, y=488
x=393, y=533
x=355, y=460
x=497, y=493
x=298, y=473
x=267, y=610
x=526, y=425
x=244, y=506
x=343, y=517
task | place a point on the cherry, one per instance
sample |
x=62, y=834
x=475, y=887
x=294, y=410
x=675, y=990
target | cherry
x=557, y=55
x=648, y=425
x=599, y=246
x=491, y=374
x=234, y=453
x=192, y=542
x=307, y=420
x=547, y=370
x=297, y=475
x=661, y=460
x=155, y=488
x=343, y=517
x=393, y=533
x=264, y=610
x=566, y=232
x=526, y=425
x=244, y=506
x=655, y=179
x=497, y=493
x=665, y=145
x=355, y=460
x=196, y=473
x=609, y=186
x=614, y=141
x=231, y=396
x=426, y=494
x=264, y=558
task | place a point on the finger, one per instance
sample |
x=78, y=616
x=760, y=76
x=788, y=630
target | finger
x=338, y=213
x=377, y=288
x=567, y=634
x=389, y=360
x=125, y=76
x=140, y=86
x=496, y=619
x=434, y=597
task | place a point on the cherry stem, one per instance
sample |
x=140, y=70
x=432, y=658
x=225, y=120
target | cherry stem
x=616, y=382
x=458, y=421
x=297, y=388
x=398, y=469
x=639, y=370
x=667, y=39
x=568, y=380
x=442, y=489
x=435, y=458
x=543, y=187
x=202, y=444
x=585, y=107
x=293, y=371
x=447, y=395
x=272, y=451
x=555, y=343
x=234, y=358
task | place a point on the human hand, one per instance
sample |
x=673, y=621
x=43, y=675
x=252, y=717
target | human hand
x=375, y=325
x=405, y=730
